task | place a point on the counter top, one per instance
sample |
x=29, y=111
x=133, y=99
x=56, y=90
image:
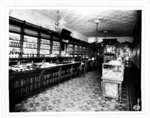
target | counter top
x=38, y=66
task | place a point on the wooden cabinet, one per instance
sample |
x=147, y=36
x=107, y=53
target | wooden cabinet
x=26, y=83
x=28, y=40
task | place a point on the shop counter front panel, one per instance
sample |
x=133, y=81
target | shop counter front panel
x=28, y=83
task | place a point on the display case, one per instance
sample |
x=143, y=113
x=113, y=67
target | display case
x=112, y=78
x=113, y=70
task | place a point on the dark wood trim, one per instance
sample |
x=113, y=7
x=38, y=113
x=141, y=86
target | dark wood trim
x=38, y=44
x=26, y=25
x=51, y=45
x=21, y=40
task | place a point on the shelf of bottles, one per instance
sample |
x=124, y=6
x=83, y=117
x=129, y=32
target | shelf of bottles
x=55, y=48
x=70, y=50
x=81, y=50
x=30, y=46
x=45, y=47
x=76, y=49
x=14, y=45
x=109, y=49
x=86, y=52
x=109, y=52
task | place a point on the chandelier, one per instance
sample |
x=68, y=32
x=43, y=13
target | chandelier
x=59, y=24
x=98, y=22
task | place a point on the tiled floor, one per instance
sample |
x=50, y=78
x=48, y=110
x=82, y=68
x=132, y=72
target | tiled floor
x=77, y=94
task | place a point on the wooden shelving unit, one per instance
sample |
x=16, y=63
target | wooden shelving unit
x=30, y=41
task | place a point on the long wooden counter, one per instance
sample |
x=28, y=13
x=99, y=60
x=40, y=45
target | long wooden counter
x=27, y=83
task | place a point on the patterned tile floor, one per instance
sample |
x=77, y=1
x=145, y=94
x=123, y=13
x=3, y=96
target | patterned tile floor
x=77, y=94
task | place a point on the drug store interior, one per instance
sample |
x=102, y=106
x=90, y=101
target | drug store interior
x=74, y=60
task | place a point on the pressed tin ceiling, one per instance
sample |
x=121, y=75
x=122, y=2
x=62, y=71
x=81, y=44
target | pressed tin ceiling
x=113, y=23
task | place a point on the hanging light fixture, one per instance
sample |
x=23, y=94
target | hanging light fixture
x=97, y=24
x=59, y=24
x=98, y=21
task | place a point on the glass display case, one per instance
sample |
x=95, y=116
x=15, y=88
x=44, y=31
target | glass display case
x=113, y=70
x=112, y=78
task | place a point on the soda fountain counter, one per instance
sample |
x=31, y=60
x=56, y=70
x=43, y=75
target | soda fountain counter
x=30, y=78
x=112, y=78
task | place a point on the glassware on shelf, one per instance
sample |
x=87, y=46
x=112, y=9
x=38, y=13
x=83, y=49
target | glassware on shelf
x=29, y=47
x=30, y=42
x=45, y=41
x=55, y=49
x=14, y=40
x=13, y=43
x=109, y=49
x=45, y=47
x=14, y=36
x=30, y=39
x=14, y=52
x=44, y=52
x=28, y=53
x=69, y=50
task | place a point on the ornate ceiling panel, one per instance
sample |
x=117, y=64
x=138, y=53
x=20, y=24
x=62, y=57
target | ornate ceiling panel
x=115, y=22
